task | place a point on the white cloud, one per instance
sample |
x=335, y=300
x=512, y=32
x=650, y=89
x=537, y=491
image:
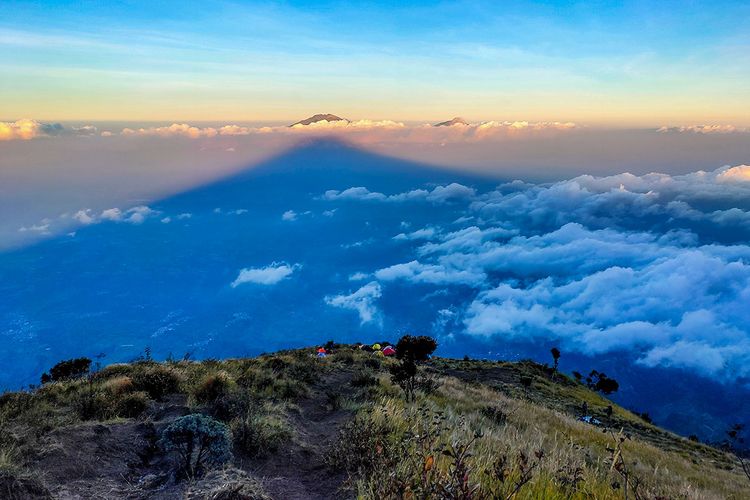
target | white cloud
x=269, y=275
x=440, y=194
x=137, y=215
x=362, y=301
x=703, y=129
x=452, y=191
x=625, y=200
x=111, y=214
x=84, y=216
x=174, y=130
x=42, y=228
x=353, y=193
x=436, y=274
x=289, y=215
x=426, y=233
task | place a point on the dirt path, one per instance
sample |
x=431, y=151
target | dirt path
x=298, y=471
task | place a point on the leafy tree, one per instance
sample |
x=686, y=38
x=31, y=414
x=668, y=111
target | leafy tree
x=411, y=350
x=199, y=442
x=70, y=368
x=415, y=348
x=556, y=358
x=598, y=381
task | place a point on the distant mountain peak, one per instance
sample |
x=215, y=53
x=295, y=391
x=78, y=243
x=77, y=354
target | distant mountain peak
x=319, y=118
x=455, y=121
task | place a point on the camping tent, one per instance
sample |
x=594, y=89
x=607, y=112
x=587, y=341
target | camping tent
x=389, y=351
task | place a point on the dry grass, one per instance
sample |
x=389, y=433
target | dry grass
x=480, y=404
x=576, y=461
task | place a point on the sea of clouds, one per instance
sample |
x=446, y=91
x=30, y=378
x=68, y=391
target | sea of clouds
x=656, y=265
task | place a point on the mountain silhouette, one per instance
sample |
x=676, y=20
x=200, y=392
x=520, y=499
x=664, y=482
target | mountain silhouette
x=319, y=118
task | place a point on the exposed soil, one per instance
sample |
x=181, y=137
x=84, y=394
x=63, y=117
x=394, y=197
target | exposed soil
x=298, y=471
x=122, y=461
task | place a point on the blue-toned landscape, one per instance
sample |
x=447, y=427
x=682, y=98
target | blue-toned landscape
x=329, y=241
x=377, y=250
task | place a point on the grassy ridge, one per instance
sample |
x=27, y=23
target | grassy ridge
x=338, y=427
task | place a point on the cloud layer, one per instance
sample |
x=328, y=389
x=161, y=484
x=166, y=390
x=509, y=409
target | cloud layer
x=598, y=264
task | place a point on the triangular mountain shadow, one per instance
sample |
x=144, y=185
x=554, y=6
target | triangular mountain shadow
x=167, y=283
x=317, y=165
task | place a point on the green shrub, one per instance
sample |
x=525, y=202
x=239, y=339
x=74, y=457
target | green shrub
x=212, y=387
x=13, y=404
x=373, y=362
x=198, y=442
x=114, y=370
x=131, y=405
x=117, y=386
x=364, y=379
x=345, y=356
x=90, y=404
x=156, y=380
x=259, y=434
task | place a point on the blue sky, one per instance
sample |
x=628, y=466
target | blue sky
x=616, y=63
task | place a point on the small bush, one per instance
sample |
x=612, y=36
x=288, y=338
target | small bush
x=213, y=387
x=373, y=362
x=364, y=379
x=259, y=434
x=426, y=384
x=157, y=381
x=90, y=404
x=198, y=442
x=114, y=370
x=495, y=414
x=64, y=370
x=346, y=357
x=131, y=405
x=118, y=386
x=13, y=404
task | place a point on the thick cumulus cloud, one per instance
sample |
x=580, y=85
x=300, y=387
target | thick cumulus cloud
x=656, y=266
x=363, y=301
x=26, y=129
x=269, y=275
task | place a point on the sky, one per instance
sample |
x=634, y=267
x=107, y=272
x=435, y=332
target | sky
x=617, y=64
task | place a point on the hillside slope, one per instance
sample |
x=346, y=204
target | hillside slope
x=337, y=427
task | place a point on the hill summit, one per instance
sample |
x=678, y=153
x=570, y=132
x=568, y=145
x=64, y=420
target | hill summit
x=455, y=121
x=319, y=118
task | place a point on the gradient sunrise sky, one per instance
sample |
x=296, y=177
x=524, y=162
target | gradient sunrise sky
x=639, y=63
